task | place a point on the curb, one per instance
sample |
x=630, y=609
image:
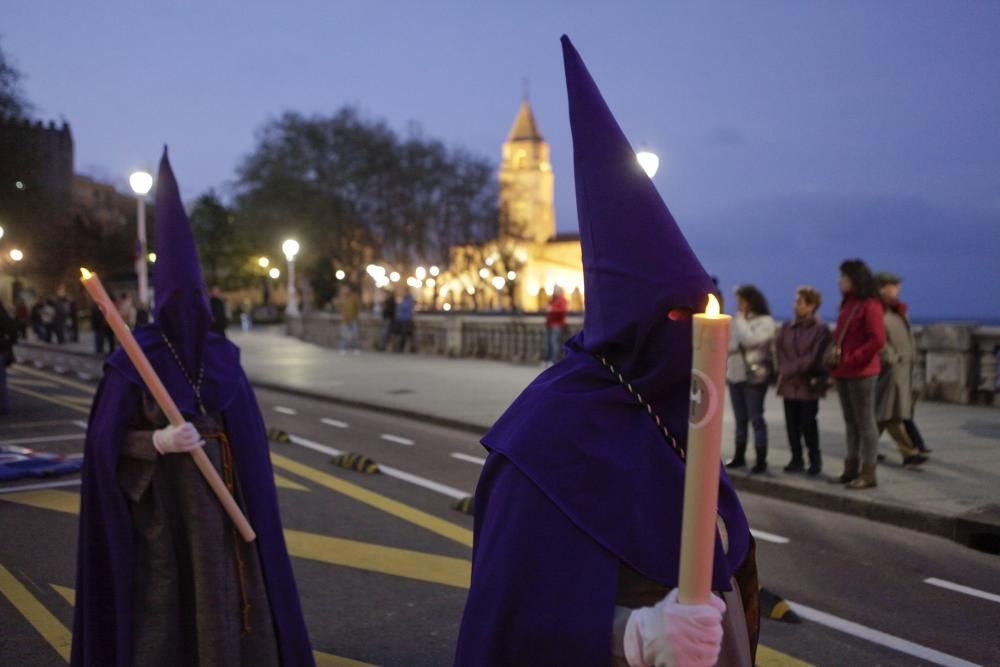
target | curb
x=977, y=529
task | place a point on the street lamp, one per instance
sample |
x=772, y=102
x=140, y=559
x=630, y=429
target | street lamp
x=151, y=257
x=15, y=254
x=291, y=249
x=275, y=273
x=263, y=262
x=141, y=183
x=340, y=275
x=649, y=162
x=1, y=232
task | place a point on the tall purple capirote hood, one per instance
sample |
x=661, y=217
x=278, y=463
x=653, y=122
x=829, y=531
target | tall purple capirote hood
x=637, y=265
x=182, y=309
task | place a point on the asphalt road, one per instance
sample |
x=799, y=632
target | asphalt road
x=381, y=561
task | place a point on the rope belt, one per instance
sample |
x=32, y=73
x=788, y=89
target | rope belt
x=229, y=477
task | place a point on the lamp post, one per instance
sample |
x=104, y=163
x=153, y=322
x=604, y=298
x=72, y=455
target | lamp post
x=649, y=161
x=291, y=249
x=141, y=183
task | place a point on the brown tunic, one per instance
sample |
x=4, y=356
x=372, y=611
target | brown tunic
x=199, y=595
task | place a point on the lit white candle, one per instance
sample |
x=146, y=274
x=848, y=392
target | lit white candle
x=128, y=342
x=701, y=480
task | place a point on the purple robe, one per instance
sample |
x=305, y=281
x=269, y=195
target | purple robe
x=580, y=478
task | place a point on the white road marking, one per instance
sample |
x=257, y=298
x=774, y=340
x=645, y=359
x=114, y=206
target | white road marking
x=35, y=487
x=769, y=537
x=437, y=487
x=285, y=411
x=315, y=446
x=397, y=439
x=878, y=637
x=334, y=422
x=443, y=489
x=43, y=438
x=959, y=588
x=79, y=422
x=471, y=459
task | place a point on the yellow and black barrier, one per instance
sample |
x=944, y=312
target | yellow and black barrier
x=277, y=435
x=355, y=462
x=776, y=608
x=466, y=505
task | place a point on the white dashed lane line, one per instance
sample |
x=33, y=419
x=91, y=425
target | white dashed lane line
x=765, y=536
x=334, y=422
x=959, y=588
x=443, y=489
x=44, y=438
x=315, y=446
x=285, y=411
x=388, y=437
x=79, y=422
x=471, y=459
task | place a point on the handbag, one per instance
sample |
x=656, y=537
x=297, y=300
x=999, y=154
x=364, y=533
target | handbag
x=761, y=370
x=834, y=353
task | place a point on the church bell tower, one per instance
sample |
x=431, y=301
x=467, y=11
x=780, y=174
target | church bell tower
x=527, y=184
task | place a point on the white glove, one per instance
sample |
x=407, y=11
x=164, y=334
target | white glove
x=675, y=635
x=177, y=439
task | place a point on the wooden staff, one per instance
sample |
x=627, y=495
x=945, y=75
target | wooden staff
x=96, y=290
x=701, y=478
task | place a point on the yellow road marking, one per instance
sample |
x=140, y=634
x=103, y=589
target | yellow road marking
x=283, y=482
x=322, y=659
x=65, y=404
x=768, y=657
x=336, y=551
x=444, y=570
x=46, y=499
x=67, y=593
x=376, y=500
x=47, y=625
x=25, y=382
x=88, y=388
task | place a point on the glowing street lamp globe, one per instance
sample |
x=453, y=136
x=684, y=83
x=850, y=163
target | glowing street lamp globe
x=290, y=248
x=141, y=182
x=275, y=273
x=340, y=274
x=263, y=262
x=16, y=255
x=649, y=162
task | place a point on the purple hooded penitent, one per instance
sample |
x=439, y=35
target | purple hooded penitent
x=579, y=477
x=102, y=629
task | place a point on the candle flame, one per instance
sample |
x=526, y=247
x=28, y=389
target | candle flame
x=712, y=309
x=85, y=274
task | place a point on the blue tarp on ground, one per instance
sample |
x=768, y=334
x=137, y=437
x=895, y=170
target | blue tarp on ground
x=18, y=462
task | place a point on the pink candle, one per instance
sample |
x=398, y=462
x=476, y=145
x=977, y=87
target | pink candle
x=128, y=342
x=701, y=478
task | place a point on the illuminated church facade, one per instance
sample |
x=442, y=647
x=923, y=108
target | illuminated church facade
x=528, y=258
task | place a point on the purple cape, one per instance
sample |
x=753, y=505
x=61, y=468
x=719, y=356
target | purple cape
x=102, y=628
x=579, y=478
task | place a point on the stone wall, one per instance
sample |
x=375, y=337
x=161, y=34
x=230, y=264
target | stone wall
x=956, y=363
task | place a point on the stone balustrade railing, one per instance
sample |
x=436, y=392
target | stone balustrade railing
x=957, y=363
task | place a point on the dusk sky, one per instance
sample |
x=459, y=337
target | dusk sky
x=792, y=135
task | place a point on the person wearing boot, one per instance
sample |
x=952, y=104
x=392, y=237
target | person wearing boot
x=801, y=377
x=859, y=338
x=748, y=372
x=893, y=390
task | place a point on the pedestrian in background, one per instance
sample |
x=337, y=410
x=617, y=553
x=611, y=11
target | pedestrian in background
x=404, y=322
x=21, y=316
x=802, y=380
x=48, y=317
x=8, y=338
x=894, y=387
x=102, y=331
x=218, y=305
x=388, y=319
x=349, y=305
x=748, y=370
x=126, y=308
x=853, y=360
x=555, y=326
x=36, y=319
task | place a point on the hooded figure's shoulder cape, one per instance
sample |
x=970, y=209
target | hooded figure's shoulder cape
x=581, y=478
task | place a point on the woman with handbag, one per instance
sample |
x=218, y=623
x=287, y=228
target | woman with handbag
x=853, y=360
x=749, y=369
x=802, y=380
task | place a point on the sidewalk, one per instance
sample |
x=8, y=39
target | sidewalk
x=956, y=495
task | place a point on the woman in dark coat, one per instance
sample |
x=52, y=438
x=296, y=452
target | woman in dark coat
x=801, y=377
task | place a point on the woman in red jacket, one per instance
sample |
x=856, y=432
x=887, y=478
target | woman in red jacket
x=861, y=335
